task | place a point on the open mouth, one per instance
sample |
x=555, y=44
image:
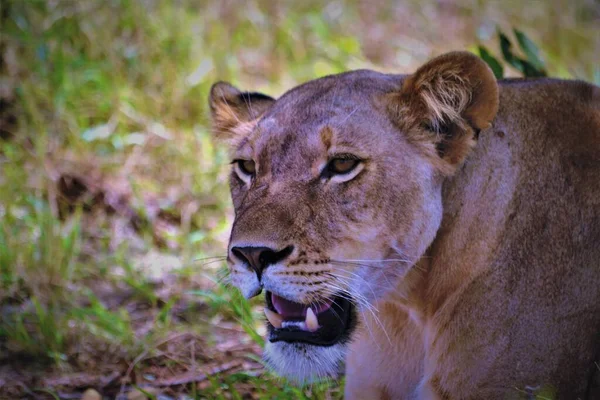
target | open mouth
x=324, y=323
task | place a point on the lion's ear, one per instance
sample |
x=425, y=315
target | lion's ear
x=234, y=113
x=446, y=103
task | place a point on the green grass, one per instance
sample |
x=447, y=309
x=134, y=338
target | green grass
x=113, y=195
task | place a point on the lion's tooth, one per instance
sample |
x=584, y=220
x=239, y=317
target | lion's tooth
x=312, y=324
x=274, y=318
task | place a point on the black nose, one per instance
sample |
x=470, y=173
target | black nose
x=260, y=258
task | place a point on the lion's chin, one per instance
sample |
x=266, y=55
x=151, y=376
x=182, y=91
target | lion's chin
x=304, y=363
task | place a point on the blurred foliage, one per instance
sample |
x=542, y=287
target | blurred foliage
x=114, y=207
x=530, y=66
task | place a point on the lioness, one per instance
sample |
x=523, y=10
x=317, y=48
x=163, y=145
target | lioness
x=436, y=233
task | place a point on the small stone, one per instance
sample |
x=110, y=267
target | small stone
x=91, y=394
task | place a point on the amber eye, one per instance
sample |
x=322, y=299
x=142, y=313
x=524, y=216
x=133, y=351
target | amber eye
x=342, y=165
x=246, y=166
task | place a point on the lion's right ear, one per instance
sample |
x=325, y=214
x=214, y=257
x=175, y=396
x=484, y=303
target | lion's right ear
x=234, y=113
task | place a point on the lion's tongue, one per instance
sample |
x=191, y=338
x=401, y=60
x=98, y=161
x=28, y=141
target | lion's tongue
x=289, y=309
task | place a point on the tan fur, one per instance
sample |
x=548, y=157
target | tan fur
x=470, y=241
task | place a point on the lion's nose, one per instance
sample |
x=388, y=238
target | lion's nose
x=259, y=258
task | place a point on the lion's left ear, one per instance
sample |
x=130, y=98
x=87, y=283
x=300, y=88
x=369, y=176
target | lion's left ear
x=445, y=104
x=234, y=113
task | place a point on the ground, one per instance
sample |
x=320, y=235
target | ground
x=114, y=207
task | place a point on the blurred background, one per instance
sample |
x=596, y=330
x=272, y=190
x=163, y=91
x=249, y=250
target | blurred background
x=114, y=206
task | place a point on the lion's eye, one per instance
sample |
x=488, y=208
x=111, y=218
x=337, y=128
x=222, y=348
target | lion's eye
x=245, y=169
x=247, y=166
x=342, y=165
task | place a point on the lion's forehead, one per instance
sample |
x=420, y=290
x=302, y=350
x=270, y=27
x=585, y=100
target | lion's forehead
x=341, y=89
x=287, y=150
x=328, y=97
x=290, y=132
x=280, y=144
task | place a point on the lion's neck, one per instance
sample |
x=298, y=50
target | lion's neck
x=476, y=203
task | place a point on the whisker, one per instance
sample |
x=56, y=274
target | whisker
x=332, y=310
x=367, y=307
x=209, y=258
x=341, y=294
x=342, y=262
x=348, y=116
x=381, y=260
x=371, y=308
x=222, y=276
x=381, y=267
x=361, y=278
x=357, y=264
x=333, y=289
x=395, y=273
x=211, y=262
x=230, y=109
x=354, y=297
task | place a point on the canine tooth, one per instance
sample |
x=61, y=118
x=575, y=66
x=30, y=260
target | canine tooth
x=312, y=324
x=274, y=318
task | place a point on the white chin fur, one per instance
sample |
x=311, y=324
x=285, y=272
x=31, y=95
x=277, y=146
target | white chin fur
x=303, y=363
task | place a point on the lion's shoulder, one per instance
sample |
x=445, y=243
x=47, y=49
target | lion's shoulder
x=551, y=114
x=549, y=94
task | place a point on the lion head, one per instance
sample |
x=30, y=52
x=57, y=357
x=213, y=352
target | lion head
x=336, y=187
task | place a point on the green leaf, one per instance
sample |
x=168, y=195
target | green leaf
x=526, y=67
x=492, y=62
x=509, y=57
x=530, y=49
x=529, y=70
